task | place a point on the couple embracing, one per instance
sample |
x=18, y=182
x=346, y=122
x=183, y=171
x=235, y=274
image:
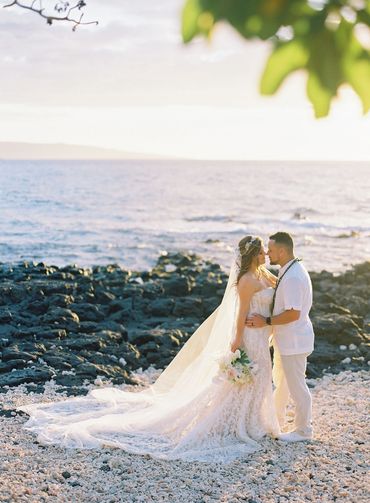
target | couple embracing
x=190, y=413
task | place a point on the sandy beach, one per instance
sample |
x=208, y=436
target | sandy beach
x=333, y=467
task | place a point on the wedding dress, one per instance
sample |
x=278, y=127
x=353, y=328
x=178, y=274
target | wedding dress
x=189, y=413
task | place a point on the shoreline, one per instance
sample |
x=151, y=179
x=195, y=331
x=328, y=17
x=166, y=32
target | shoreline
x=72, y=324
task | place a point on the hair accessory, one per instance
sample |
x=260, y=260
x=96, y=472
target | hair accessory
x=251, y=244
x=248, y=246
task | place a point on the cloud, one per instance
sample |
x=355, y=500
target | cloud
x=50, y=64
x=134, y=57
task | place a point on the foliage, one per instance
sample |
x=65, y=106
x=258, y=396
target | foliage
x=325, y=38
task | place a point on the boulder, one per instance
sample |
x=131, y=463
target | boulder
x=53, y=333
x=60, y=315
x=61, y=300
x=38, y=306
x=20, y=376
x=5, y=316
x=13, y=353
x=7, y=330
x=188, y=306
x=208, y=286
x=161, y=307
x=9, y=365
x=178, y=285
x=88, y=312
x=152, y=290
x=84, y=341
x=337, y=329
x=57, y=362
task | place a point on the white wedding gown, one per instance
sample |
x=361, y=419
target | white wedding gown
x=197, y=417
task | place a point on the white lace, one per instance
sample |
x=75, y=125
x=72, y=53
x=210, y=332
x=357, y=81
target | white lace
x=222, y=422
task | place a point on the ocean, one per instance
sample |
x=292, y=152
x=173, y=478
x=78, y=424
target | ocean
x=128, y=212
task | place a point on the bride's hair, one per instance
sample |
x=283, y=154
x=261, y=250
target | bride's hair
x=248, y=248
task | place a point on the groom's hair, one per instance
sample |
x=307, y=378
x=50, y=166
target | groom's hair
x=283, y=239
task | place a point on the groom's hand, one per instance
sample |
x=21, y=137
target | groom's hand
x=256, y=321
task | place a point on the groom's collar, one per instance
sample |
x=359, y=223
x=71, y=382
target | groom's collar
x=284, y=268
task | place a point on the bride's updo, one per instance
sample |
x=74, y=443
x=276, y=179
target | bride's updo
x=248, y=248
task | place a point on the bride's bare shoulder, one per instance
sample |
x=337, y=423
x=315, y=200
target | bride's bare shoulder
x=248, y=282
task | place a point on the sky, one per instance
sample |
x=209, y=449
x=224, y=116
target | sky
x=131, y=84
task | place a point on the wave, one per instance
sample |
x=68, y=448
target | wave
x=210, y=218
x=303, y=213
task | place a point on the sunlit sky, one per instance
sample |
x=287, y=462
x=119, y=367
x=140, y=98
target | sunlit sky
x=130, y=84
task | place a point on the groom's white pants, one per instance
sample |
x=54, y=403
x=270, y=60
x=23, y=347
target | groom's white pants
x=289, y=376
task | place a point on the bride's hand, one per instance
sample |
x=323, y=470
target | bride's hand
x=234, y=346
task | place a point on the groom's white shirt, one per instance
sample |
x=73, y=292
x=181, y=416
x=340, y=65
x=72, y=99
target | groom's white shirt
x=294, y=292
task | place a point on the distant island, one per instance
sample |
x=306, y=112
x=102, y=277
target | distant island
x=62, y=151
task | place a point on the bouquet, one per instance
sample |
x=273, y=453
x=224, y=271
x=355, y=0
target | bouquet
x=237, y=367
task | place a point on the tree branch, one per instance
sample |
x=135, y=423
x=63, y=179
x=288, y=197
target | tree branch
x=59, y=7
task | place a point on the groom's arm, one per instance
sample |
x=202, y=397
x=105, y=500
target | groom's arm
x=258, y=321
x=292, y=294
x=285, y=317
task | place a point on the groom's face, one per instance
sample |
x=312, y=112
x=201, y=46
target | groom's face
x=273, y=252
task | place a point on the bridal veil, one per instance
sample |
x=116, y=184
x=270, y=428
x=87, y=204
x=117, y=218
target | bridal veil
x=152, y=420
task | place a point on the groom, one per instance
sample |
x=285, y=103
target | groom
x=293, y=336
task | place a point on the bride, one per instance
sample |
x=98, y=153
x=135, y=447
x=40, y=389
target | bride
x=189, y=413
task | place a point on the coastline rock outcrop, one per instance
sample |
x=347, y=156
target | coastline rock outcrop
x=73, y=324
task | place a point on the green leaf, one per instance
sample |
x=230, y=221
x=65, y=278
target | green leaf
x=356, y=66
x=196, y=20
x=325, y=72
x=329, y=52
x=319, y=95
x=325, y=60
x=358, y=75
x=285, y=59
x=190, y=14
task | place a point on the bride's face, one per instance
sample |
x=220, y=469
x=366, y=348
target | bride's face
x=261, y=257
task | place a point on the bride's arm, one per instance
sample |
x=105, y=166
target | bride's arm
x=246, y=289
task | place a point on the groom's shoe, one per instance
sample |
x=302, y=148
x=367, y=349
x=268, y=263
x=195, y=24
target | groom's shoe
x=294, y=436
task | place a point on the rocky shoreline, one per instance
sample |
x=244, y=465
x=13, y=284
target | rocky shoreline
x=73, y=325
